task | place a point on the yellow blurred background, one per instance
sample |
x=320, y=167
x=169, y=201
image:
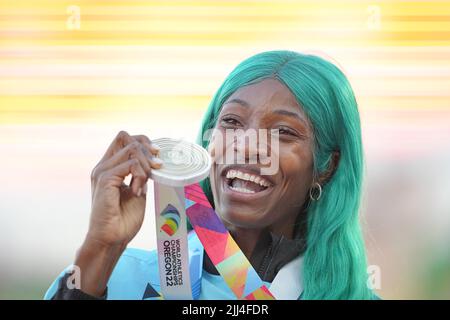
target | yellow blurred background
x=74, y=73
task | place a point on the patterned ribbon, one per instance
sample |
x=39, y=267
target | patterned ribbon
x=221, y=248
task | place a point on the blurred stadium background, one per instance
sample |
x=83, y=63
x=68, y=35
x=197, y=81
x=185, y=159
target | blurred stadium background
x=74, y=73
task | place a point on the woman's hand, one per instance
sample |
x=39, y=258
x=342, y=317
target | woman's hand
x=117, y=209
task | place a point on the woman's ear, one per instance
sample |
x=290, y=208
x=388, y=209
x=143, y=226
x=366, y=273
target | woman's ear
x=328, y=174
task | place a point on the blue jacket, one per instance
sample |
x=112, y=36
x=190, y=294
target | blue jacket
x=136, y=277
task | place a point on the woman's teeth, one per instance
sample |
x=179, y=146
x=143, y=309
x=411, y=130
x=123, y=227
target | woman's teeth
x=243, y=190
x=245, y=182
x=231, y=174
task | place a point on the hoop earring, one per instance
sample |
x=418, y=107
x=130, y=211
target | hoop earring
x=317, y=194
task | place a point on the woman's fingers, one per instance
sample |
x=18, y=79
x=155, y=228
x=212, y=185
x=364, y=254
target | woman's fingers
x=115, y=175
x=123, y=138
x=131, y=151
x=125, y=147
x=152, y=147
x=118, y=143
x=138, y=181
x=136, y=184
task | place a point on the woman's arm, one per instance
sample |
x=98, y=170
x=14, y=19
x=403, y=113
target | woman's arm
x=117, y=209
x=96, y=263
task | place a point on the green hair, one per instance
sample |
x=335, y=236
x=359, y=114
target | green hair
x=334, y=265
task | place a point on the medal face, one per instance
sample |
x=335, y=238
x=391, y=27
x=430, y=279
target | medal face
x=184, y=163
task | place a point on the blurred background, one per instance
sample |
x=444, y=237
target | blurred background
x=74, y=73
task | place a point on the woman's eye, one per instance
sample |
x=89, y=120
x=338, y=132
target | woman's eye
x=286, y=131
x=230, y=122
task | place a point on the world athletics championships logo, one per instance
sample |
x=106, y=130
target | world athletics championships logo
x=172, y=220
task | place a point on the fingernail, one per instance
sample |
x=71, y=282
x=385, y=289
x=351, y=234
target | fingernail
x=155, y=146
x=157, y=160
x=139, y=192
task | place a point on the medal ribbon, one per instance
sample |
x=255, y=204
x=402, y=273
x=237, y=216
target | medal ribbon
x=177, y=196
x=221, y=248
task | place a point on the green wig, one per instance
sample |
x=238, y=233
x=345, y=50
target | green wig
x=335, y=264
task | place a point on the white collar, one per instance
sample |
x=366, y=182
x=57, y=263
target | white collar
x=288, y=283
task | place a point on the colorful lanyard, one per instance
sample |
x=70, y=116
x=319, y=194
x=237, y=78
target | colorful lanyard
x=221, y=248
x=177, y=196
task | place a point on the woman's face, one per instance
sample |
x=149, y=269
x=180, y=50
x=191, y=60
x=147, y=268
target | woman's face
x=244, y=197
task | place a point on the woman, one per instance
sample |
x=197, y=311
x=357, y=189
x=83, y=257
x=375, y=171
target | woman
x=308, y=208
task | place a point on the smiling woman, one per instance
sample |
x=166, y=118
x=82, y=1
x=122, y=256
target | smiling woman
x=300, y=221
x=282, y=89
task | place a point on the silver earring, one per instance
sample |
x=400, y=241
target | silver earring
x=315, y=192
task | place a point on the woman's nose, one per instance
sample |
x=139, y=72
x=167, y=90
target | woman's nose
x=247, y=145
